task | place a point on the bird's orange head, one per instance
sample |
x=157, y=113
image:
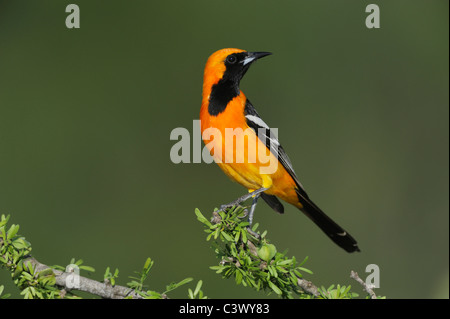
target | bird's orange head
x=224, y=70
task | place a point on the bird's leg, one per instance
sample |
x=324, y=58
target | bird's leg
x=252, y=209
x=255, y=194
x=250, y=217
x=241, y=199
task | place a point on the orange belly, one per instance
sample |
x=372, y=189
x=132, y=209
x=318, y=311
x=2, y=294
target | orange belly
x=242, y=156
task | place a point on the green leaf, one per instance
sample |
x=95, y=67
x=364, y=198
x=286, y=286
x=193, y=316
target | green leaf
x=29, y=267
x=4, y=220
x=174, y=285
x=284, y=262
x=184, y=281
x=202, y=218
x=267, y=252
x=244, y=236
x=238, y=277
x=198, y=287
x=20, y=243
x=236, y=237
x=218, y=269
x=226, y=236
x=107, y=273
x=275, y=288
x=46, y=272
x=148, y=264
x=12, y=231
x=304, y=261
x=3, y=234
x=281, y=269
x=305, y=270
x=87, y=268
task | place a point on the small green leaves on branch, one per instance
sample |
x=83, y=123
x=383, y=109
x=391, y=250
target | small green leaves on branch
x=37, y=280
x=339, y=292
x=254, y=262
x=197, y=293
x=251, y=260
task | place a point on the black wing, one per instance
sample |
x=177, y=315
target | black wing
x=333, y=230
x=264, y=133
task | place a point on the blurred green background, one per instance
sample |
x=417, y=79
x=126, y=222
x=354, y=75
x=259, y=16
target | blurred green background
x=86, y=114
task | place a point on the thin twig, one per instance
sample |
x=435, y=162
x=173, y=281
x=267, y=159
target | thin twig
x=354, y=275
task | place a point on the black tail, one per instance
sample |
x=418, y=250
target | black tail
x=328, y=226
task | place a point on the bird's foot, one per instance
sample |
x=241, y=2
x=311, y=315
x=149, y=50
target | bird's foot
x=244, y=214
x=225, y=207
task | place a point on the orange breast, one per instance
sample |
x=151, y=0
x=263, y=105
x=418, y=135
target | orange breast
x=240, y=154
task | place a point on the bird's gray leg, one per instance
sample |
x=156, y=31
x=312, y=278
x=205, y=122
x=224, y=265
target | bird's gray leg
x=255, y=194
x=250, y=217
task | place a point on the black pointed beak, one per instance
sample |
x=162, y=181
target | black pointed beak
x=253, y=56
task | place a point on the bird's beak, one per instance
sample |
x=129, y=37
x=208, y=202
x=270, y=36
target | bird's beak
x=253, y=56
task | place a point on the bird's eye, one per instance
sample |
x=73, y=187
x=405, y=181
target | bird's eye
x=231, y=59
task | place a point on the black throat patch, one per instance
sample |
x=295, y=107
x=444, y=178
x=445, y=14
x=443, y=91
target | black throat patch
x=228, y=87
x=221, y=94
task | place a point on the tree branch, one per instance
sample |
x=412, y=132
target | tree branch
x=104, y=290
x=63, y=281
x=15, y=255
x=354, y=275
x=37, y=280
x=308, y=287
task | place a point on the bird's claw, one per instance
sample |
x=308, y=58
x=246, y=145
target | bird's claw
x=245, y=211
x=229, y=205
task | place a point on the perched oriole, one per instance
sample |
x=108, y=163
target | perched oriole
x=225, y=107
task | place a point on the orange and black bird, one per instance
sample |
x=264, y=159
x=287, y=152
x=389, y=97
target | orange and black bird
x=225, y=108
